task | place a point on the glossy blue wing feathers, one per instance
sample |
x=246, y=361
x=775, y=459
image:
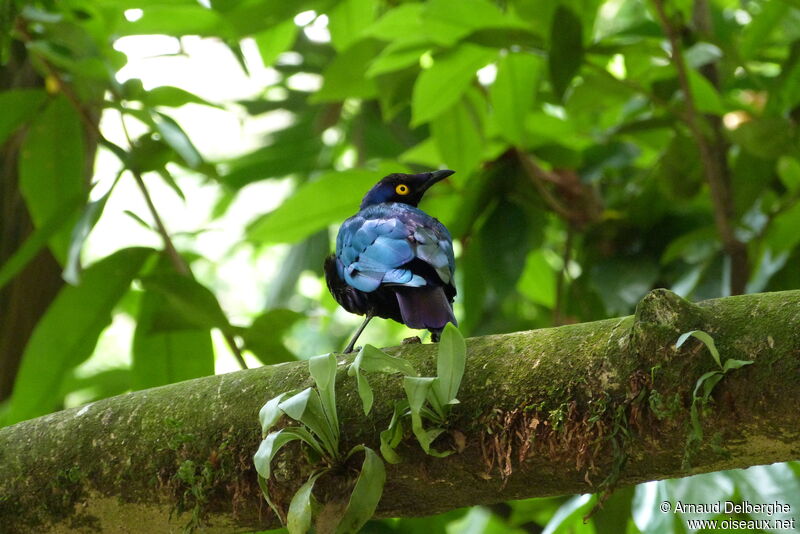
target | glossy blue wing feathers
x=373, y=246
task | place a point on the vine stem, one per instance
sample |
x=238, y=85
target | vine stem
x=711, y=159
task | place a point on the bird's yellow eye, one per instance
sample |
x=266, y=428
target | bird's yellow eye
x=402, y=189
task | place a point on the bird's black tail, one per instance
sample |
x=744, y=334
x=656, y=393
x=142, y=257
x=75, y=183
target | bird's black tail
x=425, y=307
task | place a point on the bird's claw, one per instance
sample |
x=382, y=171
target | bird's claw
x=413, y=340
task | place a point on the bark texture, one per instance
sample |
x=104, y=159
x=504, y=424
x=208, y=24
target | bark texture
x=577, y=408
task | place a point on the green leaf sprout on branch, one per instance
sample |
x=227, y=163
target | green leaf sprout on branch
x=315, y=409
x=706, y=383
x=427, y=398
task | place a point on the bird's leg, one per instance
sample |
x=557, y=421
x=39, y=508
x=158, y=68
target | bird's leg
x=361, y=328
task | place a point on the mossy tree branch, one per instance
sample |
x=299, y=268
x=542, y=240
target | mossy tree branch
x=545, y=412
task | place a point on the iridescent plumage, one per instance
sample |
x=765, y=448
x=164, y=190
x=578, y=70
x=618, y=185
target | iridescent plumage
x=393, y=260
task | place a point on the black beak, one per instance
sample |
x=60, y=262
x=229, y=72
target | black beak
x=433, y=177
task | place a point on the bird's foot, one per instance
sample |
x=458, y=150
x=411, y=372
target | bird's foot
x=352, y=350
x=414, y=340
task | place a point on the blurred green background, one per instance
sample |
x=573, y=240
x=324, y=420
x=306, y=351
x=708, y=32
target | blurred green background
x=245, y=131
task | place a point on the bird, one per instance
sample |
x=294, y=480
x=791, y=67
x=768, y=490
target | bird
x=393, y=260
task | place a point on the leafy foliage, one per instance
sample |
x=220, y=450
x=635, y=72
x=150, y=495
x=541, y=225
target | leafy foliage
x=427, y=398
x=581, y=181
x=315, y=410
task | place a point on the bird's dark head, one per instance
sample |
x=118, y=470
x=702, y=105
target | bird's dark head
x=404, y=188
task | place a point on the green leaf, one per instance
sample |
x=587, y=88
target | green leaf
x=193, y=302
x=175, y=137
x=262, y=483
x=616, y=511
x=679, y=169
x=269, y=414
x=270, y=446
x=710, y=379
x=398, y=55
x=345, y=76
x=323, y=371
x=174, y=97
x=8, y=20
x=364, y=392
x=38, y=239
x=538, y=280
x=767, y=137
x=331, y=198
x=756, y=34
x=366, y=494
x=293, y=150
x=91, y=214
x=566, y=49
x=307, y=255
x=447, y=21
x=51, y=167
x=782, y=234
x=731, y=363
x=450, y=364
x=645, y=500
x=99, y=385
x=707, y=381
x=306, y=407
x=706, y=97
x=67, y=333
x=570, y=514
x=371, y=359
x=458, y=134
x=417, y=392
x=762, y=482
x=299, y=517
x=513, y=93
x=150, y=153
x=700, y=54
x=399, y=22
x=502, y=253
x=440, y=87
x=391, y=437
x=264, y=337
x=168, y=347
x=348, y=20
x=707, y=340
x=789, y=172
x=276, y=40
x=19, y=106
x=622, y=282
x=175, y=20
x=417, y=389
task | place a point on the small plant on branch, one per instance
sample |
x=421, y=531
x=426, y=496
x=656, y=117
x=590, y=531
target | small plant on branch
x=704, y=386
x=315, y=409
x=427, y=398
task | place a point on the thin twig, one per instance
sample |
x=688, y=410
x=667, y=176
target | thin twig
x=178, y=262
x=712, y=164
